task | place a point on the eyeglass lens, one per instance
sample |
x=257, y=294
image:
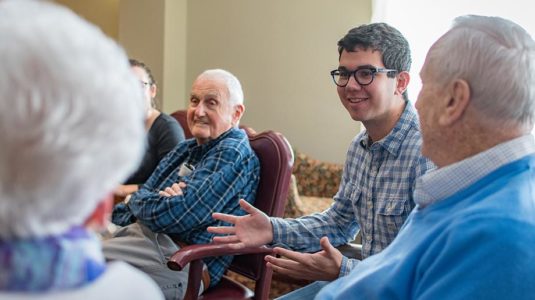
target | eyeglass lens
x=362, y=76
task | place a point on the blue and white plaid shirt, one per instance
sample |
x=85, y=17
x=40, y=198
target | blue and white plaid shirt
x=375, y=195
x=225, y=170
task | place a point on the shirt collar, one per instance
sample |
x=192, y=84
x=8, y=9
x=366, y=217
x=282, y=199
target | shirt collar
x=392, y=142
x=441, y=183
x=196, y=151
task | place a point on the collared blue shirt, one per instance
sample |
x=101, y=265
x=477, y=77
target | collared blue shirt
x=225, y=170
x=375, y=194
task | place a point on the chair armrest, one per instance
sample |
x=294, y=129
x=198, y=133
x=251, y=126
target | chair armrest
x=351, y=250
x=195, y=252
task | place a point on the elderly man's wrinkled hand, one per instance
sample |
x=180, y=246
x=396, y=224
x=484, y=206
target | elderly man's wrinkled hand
x=174, y=190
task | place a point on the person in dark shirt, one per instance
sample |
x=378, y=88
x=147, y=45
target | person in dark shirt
x=164, y=132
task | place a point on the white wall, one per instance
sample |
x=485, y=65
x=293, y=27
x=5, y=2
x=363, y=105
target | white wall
x=174, y=55
x=103, y=13
x=282, y=51
x=141, y=33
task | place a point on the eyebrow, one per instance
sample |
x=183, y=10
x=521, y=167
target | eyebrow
x=342, y=68
x=211, y=95
x=206, y=96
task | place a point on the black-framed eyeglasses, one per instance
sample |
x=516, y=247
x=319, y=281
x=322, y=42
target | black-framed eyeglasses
x=364, y=76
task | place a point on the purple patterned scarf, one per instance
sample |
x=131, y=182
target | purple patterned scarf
x=51, y=263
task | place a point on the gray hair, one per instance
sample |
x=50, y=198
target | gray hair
x=71, y=118
x=232, y=83
x=497, y=58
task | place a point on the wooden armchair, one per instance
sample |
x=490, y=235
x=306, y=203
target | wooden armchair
x=276, y=161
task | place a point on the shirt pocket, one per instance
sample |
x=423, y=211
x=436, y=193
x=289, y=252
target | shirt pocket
x=391, y=214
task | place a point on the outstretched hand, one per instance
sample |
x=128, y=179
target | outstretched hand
x=322, y=265
x=251, y=230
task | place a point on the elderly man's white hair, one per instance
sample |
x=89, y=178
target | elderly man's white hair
x=233, y=84
x=497, y=58
x=71, y=118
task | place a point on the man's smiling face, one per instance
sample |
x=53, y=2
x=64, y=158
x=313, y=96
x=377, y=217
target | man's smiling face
x=370, y=102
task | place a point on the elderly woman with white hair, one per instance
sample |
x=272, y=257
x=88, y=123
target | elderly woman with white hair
x=66, y=94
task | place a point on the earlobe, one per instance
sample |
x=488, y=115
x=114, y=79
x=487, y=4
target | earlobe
x=238, y=112
x=153, y=90
x=458, y=101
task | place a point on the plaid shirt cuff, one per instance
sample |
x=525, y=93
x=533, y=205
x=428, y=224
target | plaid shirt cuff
x=347, y=266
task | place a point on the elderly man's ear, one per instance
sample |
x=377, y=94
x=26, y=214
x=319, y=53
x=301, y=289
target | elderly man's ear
x=237, y=114
x=100, y=217
x=457, y=100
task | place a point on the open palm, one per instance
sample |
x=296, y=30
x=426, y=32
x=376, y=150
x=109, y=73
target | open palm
x=251, y=230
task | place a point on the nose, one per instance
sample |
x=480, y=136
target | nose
x=200, y=110
x=352, y=83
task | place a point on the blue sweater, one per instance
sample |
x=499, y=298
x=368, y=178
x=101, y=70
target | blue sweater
x=476, y=244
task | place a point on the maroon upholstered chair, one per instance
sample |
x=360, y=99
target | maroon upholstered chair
x=276, y=161
x=180, y=116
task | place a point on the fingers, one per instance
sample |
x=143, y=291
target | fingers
x=173, y=190
x=164, y=194
x=293, y=255
x=177, y=190
x=231, y=218
x=281, y=262
x=248, y=207
x=225, y=218
x=170, y=191
x=167, y=192
x=326, y=245
x=284, y=266
x=222, y=229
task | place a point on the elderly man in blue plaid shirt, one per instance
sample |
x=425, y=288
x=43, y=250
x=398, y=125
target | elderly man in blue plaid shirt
x=383, y=162
x=207, y=174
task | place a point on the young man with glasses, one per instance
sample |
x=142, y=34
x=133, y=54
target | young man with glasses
x=375, y=194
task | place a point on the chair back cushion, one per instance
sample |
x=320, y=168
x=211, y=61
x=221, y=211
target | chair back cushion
x=181, y=117
x=276, y=161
